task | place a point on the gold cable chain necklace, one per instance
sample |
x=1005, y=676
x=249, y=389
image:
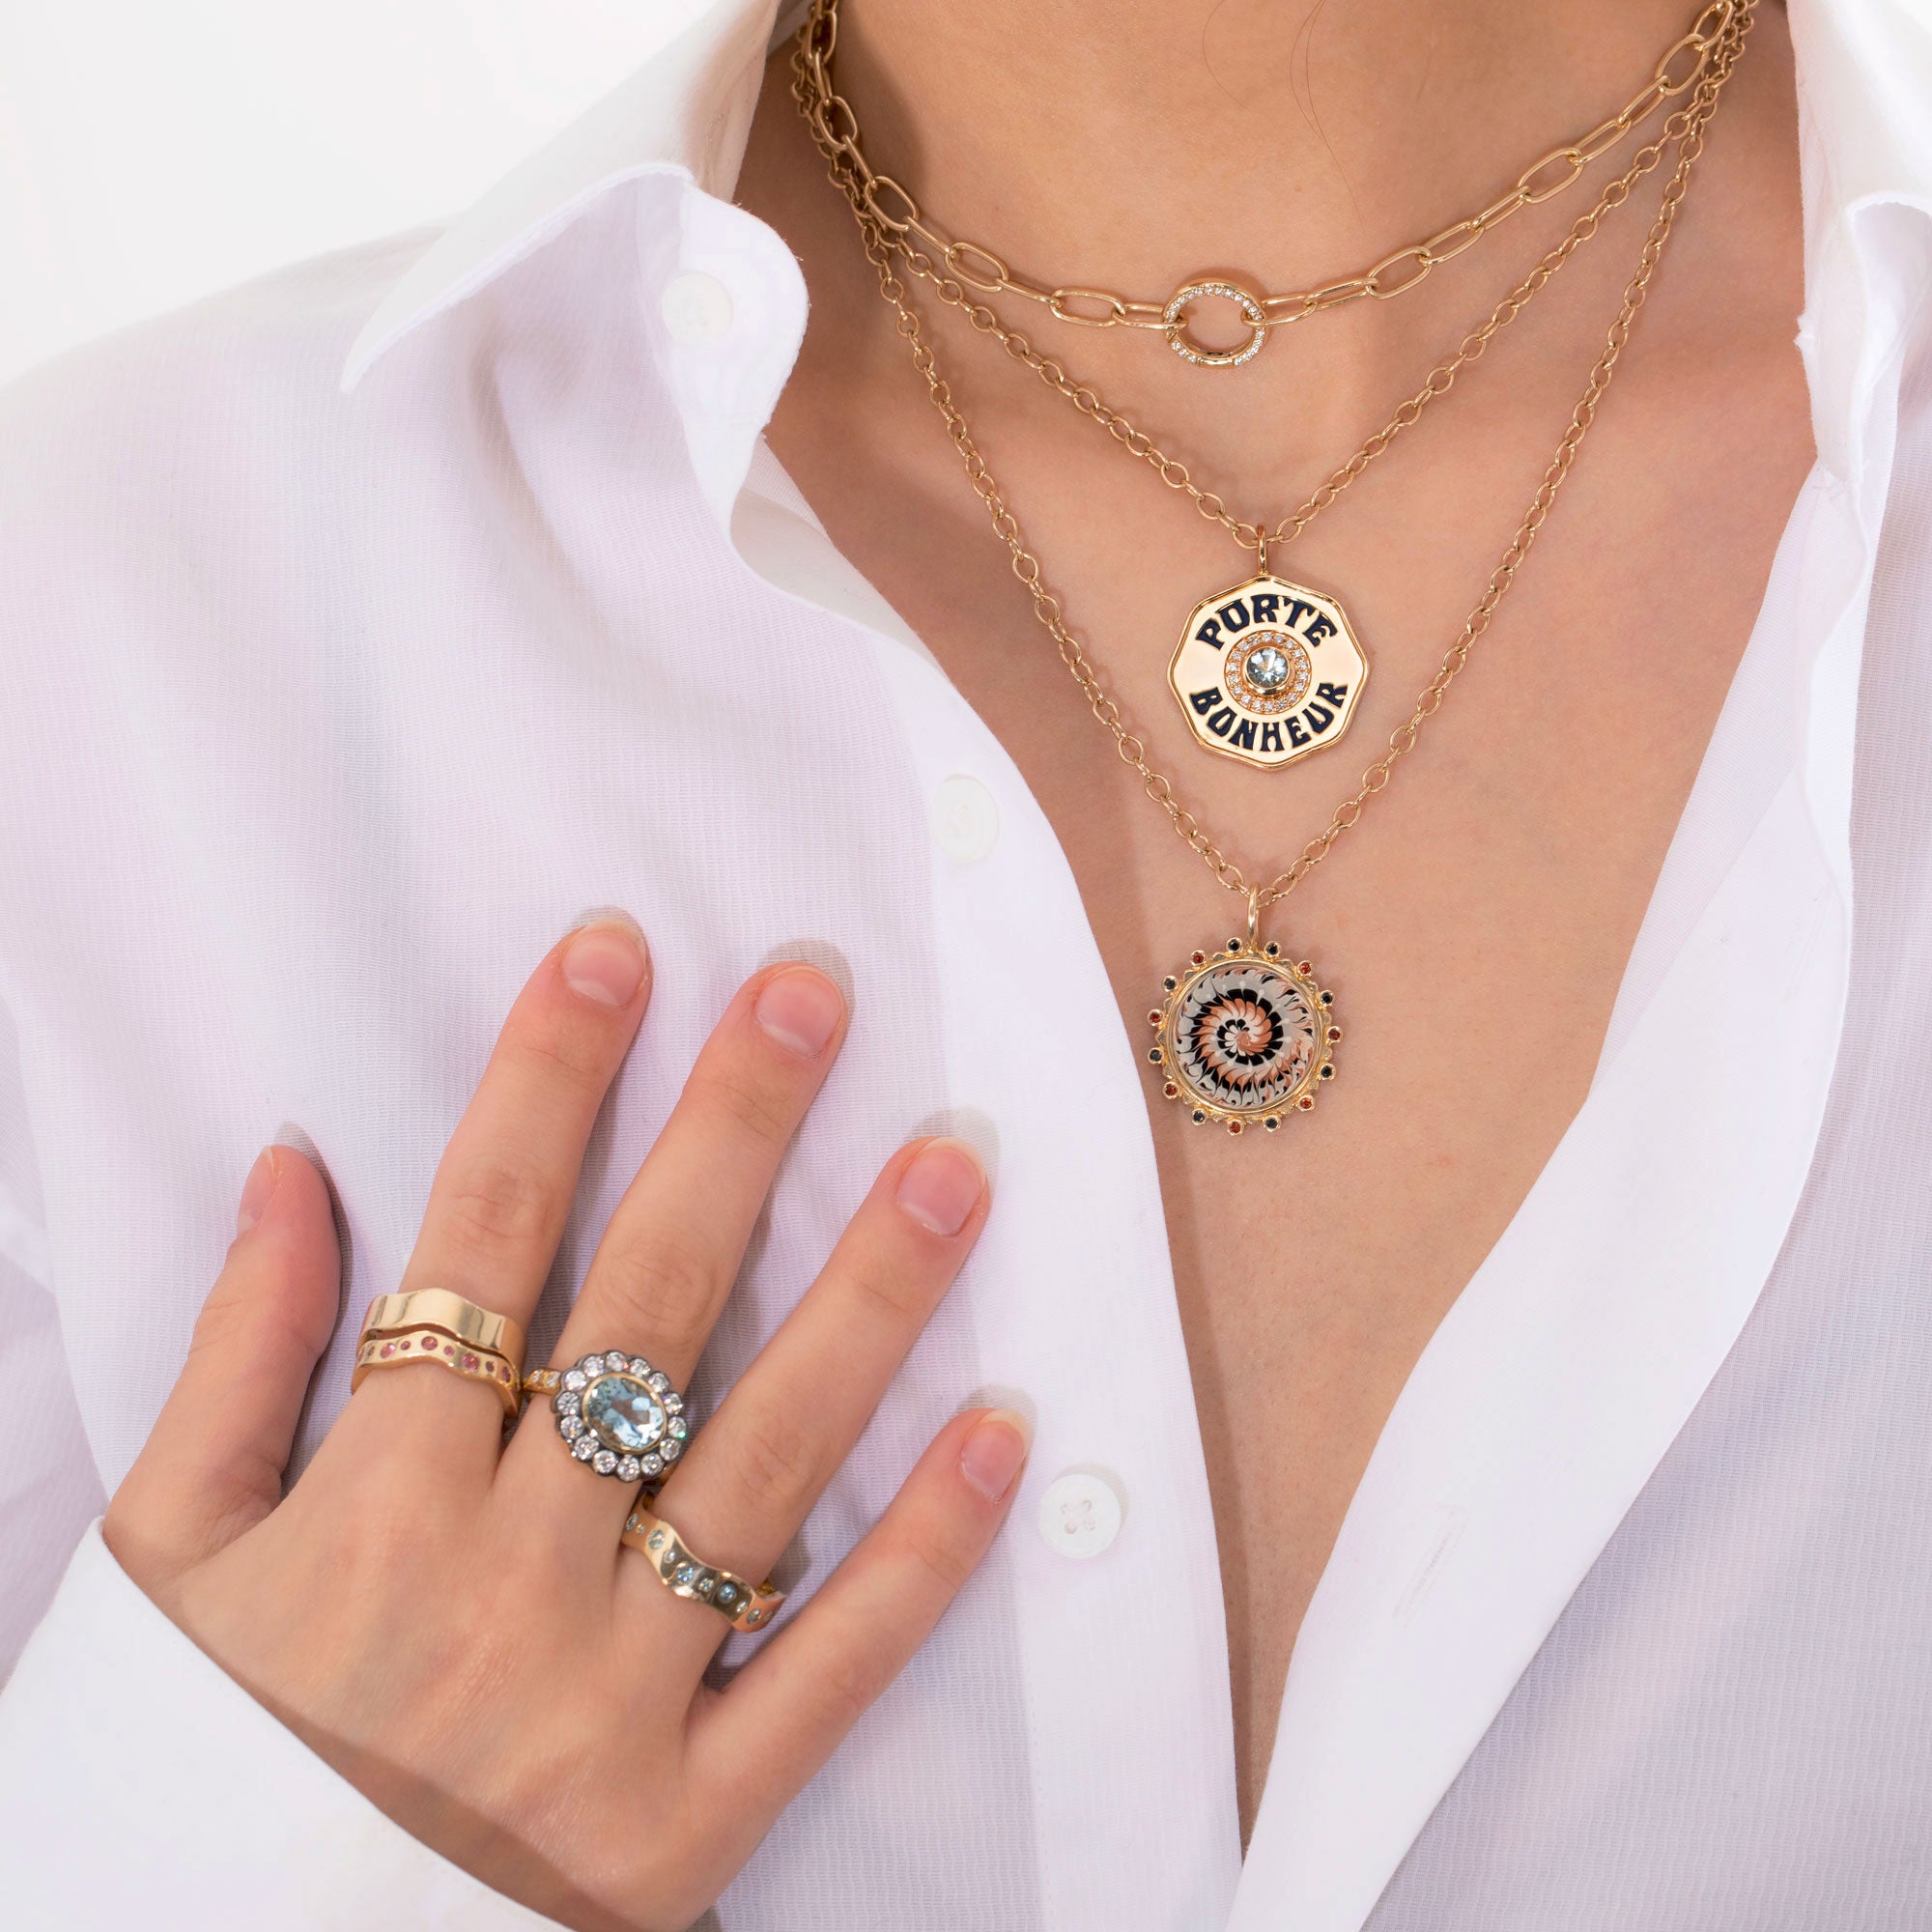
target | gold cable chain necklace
x=1278, y=696
x=1683, y=66
x=1242, y=1036
x=1249, y=533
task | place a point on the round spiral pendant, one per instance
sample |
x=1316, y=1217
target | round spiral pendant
x=1243, y=1038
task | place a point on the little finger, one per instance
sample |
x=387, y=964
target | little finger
x=759, y=1743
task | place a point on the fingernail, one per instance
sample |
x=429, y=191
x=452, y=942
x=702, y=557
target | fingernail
x=800, y=1009
x=258, y=1190
x=995, y=1453
x=605, y=963
x=942, y=1186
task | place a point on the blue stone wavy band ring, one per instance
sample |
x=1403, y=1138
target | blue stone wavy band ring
x=617, y=1415
x=746, y=1607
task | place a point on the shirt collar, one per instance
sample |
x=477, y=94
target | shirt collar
x=687, y=111
x=1865, y=79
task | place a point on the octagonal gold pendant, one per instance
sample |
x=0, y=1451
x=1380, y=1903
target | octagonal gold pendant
x=1268, y=671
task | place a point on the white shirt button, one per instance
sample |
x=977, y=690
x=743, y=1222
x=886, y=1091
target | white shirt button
x=965, y=818
x=696, y=308
x=1080, y=1514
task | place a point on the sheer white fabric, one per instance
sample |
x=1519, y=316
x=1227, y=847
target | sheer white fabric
x=321, y=714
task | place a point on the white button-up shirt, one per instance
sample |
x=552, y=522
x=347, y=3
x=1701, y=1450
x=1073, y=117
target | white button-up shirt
x=364, y=626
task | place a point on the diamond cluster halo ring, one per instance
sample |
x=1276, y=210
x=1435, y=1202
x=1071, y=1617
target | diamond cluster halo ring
x=617, y=1414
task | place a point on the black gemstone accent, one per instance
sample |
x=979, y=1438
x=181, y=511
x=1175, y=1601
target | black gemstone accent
x=1328, y=999
x=1153, y=1054
x=1329, y=1072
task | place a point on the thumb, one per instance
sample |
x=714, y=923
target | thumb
x=213, y=1467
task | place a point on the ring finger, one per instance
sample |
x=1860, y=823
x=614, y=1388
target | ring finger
x=741, y=1494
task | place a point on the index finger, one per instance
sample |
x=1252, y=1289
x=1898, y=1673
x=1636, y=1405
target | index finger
x=507, y=1179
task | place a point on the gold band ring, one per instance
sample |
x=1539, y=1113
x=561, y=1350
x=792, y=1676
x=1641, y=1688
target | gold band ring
x=457, y=1317
x=429, y=1345
x=746, y=1607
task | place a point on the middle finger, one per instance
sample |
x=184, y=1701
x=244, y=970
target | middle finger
x=677, y=1238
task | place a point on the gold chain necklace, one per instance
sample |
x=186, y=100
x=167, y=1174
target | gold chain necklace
x=835, y=126
x=1267, y=672
x=1241, y=1036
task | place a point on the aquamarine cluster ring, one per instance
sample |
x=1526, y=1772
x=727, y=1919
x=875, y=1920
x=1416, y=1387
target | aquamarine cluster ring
x=617, y=1414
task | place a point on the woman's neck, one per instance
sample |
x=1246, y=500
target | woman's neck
x=1288, y=142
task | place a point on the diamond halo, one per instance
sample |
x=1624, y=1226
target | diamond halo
x=619, y=1416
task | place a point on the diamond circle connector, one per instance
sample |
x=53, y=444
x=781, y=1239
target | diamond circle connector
x=1174, y=324
x=621, y=1416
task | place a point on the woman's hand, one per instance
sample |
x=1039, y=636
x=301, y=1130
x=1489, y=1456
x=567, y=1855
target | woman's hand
x=451, y=1620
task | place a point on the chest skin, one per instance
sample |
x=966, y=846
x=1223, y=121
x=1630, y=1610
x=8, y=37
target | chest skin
x=1475, y=925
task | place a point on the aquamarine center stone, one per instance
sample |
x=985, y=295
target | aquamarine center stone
x=1267, y=668
x=625, y=1415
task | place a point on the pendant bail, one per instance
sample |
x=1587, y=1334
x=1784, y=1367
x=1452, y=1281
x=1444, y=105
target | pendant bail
x=1261, y=551
x=1254, y=919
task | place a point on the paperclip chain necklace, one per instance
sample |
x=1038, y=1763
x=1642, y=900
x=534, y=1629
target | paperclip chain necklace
x=1680, y=67
x=1241, y=1036
x=1250, y=687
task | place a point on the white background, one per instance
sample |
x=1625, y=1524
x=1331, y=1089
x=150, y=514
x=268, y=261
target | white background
x=155, y=151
